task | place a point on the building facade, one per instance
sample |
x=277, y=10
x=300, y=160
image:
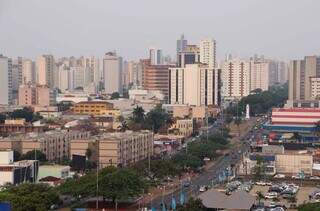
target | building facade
x=6, y=81
x=196, y=85
x=31, y=95
x=117, y=149
x=208, y=52
x=112, y=70
x=45, y=70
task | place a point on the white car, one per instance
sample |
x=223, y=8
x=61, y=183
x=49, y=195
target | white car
x=206, y=159
x=261, y=183
x=315, y=178
x=280, y=176
x=271, y=195
x=203, y=189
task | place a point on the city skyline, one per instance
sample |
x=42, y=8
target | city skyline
x=79, y=28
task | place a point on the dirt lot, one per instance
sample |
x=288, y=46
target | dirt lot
x=302, y=195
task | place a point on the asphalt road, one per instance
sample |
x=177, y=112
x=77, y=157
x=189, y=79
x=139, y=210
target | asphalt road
x=209, y=176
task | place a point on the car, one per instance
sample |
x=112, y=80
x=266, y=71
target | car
x=187, y=184
x=288, y=196
x=279, y=176
x=271, y=195
x=203, y=188
x=206, y=159
x=261, y=183
x=296, y=177
x=277, y=209
x=315, y=178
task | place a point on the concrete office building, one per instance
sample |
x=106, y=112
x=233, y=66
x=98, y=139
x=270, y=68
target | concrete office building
x=6, y=80
x=28, y=71
x=17, y=172
x=155, y=56
x=45, y=70
x=208, y=52
x=116, y=149
x=189, y=55
x=155, y=77
x=196, y=85
x=236, y=78
x=302, y=74
x=112, y=69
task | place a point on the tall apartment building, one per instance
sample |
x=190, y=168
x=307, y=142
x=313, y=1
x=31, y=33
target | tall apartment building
x=63, y=72
x=156, y=77
x=45, y=70
x=259, y=74
x=303, y=76
x=236, y=78
x=181, y=44
x=92, y=65
x=208, y=52
x=112, y=69
x=16, y=73
x=194, y=84
x=189, y=55
x=6, y=80
x=155, y=56
x=32, y=94
x=116, y=149
x=28, y=71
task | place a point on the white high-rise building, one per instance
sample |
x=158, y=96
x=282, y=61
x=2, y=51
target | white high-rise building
x=28, y=71
x=5, y=80
x=112, y=69
x=235, y=78
x=92, y=64
x=208, y=52
x=155, y=56
x=259, y=74
x=45, y=70
x=63, y=77
x=194, y=84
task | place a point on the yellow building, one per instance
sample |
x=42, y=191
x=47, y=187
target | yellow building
x=95, y=108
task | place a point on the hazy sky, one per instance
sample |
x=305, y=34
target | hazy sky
x=276, y=28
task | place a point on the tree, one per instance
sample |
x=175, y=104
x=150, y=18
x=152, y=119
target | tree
x=260, y=168
x=138, y=115
x=124, y=126
x=259, y=196
x=309, y=207
x=192, y=205
x=24, y=113
x=121, y=184
x=30, y=197
x=88, y=153
x=34, y=155
x=115, y=95
x=16, y=155
x=158, y=119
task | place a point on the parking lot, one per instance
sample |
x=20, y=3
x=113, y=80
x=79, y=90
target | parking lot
x=302, y=195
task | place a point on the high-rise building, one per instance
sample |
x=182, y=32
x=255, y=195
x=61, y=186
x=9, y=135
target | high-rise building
x=28, y=71
x=208, y=52
x=92, y=64
x=112, y=69
x=16, y=73
x=181, y=44
x=6, y=80
x=45, y=70
x=63, y=77
x=303, y=75
x=259, y=74
x=155, y=56
x=195, y=84
x=156, y=77
x=235, y=78
x=190, y=55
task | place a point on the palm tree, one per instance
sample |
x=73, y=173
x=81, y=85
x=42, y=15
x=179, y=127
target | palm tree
x=138, y=114
x=259, y=196
x=124, y=126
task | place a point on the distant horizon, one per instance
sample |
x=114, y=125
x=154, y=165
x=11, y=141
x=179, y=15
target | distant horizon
x=81, y=28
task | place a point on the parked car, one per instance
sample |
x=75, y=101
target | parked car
x=288, y=196
x=271, y=195
x=279, y=176
x=203, y=188
x=275, y=188
x=261, y=183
